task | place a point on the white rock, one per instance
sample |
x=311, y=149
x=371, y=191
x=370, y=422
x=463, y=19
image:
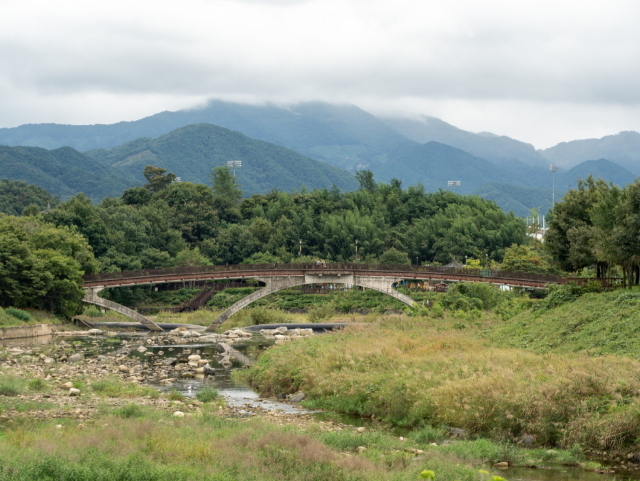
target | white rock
x=282, y=329
x=95, y=332
x=194, y=357
x=141, y=349
x=67, y=385
x=178, y=414
x=186, y=334
x=194, y=333
x=74, y=392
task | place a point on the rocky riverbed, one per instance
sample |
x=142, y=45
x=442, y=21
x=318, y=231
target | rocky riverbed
x=67, y=371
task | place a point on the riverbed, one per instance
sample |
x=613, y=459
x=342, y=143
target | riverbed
x=145, y=354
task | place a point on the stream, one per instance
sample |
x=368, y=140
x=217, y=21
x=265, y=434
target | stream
x=245, y=399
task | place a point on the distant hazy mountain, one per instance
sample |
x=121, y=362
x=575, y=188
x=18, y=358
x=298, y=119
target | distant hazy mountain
x=602, y=168
x=63, y=172
x=486, y=145
x=192, y=152
x=622, y=148
x=515, y=198
x=342, y=135
x=434, y=164
x=521, y=199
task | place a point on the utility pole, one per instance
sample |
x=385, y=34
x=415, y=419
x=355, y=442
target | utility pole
x=356, y=250
x=300, y=249
x=554, y=169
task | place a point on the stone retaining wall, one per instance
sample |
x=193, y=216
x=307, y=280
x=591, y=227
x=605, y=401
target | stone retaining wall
x=36, y=330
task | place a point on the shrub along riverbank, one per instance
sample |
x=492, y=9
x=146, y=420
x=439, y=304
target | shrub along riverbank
x=457, y=370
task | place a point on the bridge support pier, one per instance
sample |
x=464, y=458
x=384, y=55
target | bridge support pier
x=278, y=283
x=91, y=297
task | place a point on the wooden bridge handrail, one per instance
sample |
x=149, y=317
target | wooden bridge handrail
x=301, y=268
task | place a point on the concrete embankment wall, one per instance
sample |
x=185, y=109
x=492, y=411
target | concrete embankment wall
x=18, y=332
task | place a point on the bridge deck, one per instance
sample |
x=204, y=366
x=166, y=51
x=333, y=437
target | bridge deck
x=184, y=274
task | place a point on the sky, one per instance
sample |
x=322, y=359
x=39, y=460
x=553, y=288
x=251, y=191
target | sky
x=539, y=71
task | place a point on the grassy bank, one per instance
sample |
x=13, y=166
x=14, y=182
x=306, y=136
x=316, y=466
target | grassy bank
x=10, y=317
x=426, y=371
x=594, y=323
x=208, y=446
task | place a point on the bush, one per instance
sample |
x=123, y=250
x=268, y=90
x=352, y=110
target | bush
x=175, y=395
x=320, y=313
x=18, y=314
x=93, y=311
x=261, y=315
x=37, y=384
x=129, y=411
x=559, y=295
x=207, y=394
x=10, y=386
x=466, y=297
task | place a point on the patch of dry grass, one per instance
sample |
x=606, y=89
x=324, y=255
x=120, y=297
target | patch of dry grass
x=410, y=371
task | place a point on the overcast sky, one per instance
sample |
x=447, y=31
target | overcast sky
x=539, y=71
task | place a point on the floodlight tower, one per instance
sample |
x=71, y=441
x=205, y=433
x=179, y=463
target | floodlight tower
x=233, y=164
x=554, y=169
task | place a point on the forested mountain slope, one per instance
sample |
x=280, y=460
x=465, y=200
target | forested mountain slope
x=63, y=172
x=192, y=152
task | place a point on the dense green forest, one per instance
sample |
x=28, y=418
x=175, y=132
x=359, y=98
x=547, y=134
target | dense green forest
x=41, y=266
x=180, y=223
x=16, y=195
x=597, y=224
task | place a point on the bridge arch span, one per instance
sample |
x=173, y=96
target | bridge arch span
x=277, y=283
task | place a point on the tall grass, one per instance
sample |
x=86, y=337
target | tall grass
x=408, y=373
x=207, y=447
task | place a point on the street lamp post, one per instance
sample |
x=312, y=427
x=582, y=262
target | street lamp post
x=300, y=248
x=356, y=250
x=417, y=263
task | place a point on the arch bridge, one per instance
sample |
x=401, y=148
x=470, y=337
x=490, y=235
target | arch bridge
x=276, y=277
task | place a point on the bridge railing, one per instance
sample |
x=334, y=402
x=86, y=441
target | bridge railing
x=300, y=268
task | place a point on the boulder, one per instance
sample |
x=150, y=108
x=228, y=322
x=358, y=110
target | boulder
x=178, y=414
x=282, y=329
x=75, y=358
x=95, y=332
x=208, y=370
x=123, y=368
x=193, y=357
x=298, y=397
x=67, y=385
x=74, y=392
